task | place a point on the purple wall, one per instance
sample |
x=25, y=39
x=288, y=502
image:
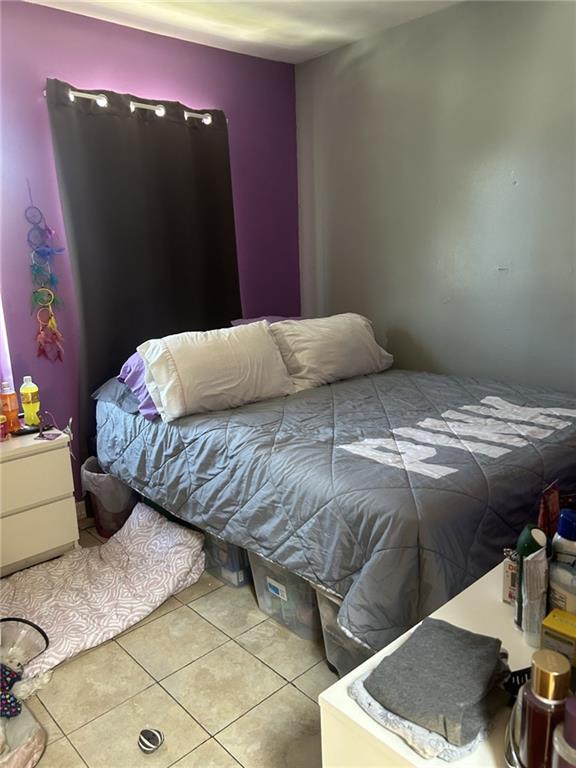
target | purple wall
x=257, y=96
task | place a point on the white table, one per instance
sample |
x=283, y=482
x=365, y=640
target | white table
x=37, y=510
x=351, y=739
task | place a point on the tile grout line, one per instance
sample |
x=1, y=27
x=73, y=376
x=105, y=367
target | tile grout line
x=198, y=747
x=77, y=752
x=50, y=715
x=214, y=736
x=188, y=663
x=232, y=637
x=128, y=630
x=314, y=701
x=159, y=683
x=285, y=683
x=74, y=730
x=160, y=680
x=204, y=594
x=218, y=733
x=107, y=711
x=269, y=618
x=283, y=687
x=272, y=668
x=210, y=591
x=65, y=738
x=210, y=735
x=305, y=671
x=134, y=627
x=323, y=660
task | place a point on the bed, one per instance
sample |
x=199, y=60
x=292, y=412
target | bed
x=394, y=491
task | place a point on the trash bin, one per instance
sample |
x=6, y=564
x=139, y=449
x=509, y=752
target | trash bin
x=110, y=500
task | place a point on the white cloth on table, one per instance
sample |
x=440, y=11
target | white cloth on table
x=426, y=743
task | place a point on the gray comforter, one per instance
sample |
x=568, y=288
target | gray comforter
x=394, y=491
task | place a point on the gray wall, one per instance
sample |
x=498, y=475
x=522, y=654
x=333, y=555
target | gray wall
x=437, y=171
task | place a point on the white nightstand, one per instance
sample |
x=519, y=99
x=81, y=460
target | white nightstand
x=352, y=739
x=37, y=509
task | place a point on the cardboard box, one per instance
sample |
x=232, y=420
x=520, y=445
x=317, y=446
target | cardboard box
x=510, y=577
x=559, y=633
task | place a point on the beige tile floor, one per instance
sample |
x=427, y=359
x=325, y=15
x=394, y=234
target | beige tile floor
x=227, y=686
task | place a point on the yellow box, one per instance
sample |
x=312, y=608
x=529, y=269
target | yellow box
x=559, y=633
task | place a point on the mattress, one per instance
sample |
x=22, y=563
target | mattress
x=393, y=491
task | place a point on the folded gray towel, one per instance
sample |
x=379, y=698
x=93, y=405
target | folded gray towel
x=443, y=679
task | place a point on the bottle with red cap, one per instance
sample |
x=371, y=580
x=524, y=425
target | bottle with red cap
x=565, y=738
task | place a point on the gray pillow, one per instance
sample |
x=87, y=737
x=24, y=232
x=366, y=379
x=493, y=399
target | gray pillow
x=114, y=391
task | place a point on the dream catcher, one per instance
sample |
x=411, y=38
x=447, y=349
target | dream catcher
x=44, y=299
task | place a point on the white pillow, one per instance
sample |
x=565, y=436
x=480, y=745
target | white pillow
x=329, y=348
x=196, y=372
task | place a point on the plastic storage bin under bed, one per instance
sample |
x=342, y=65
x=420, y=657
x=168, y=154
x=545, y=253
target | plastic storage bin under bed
x=342, y=652
x=227, y=561
x=285, y=597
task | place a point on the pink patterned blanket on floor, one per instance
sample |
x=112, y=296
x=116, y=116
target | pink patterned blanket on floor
x=90, y=595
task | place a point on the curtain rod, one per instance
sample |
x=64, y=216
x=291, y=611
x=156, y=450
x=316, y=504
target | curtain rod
x=158, y=109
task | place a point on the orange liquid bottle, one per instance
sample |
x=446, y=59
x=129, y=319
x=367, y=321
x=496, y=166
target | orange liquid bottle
x=9, y=403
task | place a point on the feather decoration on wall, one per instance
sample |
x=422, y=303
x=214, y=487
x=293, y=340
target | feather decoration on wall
x=44, y=299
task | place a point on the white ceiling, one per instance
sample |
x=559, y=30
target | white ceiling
x=275, y=29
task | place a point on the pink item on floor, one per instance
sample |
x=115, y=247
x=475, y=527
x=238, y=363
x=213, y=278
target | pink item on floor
x=26, y=741
x=90, y=595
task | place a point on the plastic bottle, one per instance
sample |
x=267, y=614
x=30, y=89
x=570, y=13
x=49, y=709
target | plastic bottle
x=563, y=566
x=565, y=738
x=9, y=406
x=542, y=705
x=30, y=402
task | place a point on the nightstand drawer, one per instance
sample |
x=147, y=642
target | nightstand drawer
x=36, y=479
x=37, y=530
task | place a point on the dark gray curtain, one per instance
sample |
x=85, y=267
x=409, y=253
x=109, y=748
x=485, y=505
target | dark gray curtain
x=147, y=204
